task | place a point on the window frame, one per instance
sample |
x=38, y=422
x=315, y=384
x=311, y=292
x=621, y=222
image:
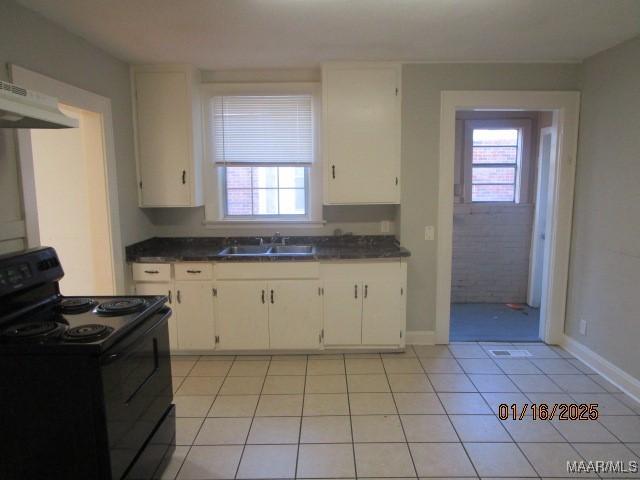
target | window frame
x=523, y=164
x=266, y=217
x=214, y=175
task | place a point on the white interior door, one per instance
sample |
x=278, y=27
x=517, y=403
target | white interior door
x=541, y=215
x=242, y=315
x=343, y=312
x=381, y=312
x=295, y=314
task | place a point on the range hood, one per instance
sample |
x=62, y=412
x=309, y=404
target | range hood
x=22, y=108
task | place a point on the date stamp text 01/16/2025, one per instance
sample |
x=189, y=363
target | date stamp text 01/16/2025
x=545, y=411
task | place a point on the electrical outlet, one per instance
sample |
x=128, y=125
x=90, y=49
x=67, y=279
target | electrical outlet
x=385, y=226
x=429, y=233
x=583, y=326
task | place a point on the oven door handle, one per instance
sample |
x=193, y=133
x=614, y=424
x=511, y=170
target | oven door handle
x=129, y=346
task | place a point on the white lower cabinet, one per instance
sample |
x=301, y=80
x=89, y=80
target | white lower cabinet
x=163, y=288
x=193, y=305
x=285, y=307
x=295, y=314
x=343, y=312
x=364, y=304
x=242, y=315
x=381, y=311
x=259, y=315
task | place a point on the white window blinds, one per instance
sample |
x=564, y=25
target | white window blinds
x=263, y=130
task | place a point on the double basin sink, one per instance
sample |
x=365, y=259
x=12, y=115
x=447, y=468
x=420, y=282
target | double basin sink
x=267, y=250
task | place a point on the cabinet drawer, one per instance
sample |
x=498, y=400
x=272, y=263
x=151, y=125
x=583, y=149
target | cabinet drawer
x=193, y=271
x=152, y=272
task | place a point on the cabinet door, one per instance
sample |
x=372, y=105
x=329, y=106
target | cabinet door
x=295, y=314
x=342, y=312
x=381, y=312
x=163, y=119
x=194, y=304
x=163, y=289
x=242, y=321
x=362, y=134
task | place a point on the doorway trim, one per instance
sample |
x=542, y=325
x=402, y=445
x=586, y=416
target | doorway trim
x=565, y=106
x=85, y=100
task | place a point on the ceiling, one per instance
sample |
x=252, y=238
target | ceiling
x=258, y=34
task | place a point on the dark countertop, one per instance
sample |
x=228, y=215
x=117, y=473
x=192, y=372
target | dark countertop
x=194, y=249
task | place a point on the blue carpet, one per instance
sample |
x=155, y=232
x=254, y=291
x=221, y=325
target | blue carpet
x=493, y=322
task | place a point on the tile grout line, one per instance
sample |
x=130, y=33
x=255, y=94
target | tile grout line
x=406, y=440
x=255, y=410
x=206, y=415
x=452, y=425
x=304, y=392
x=353, y=440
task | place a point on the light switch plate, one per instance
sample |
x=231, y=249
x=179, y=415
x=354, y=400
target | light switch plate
x=583, y=326
x=429, y=233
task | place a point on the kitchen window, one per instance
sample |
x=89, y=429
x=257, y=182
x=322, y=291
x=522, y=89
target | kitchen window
x=496, y=161
x=263, y=150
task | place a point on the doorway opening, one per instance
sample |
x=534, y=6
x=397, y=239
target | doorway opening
x=565, y=108
x=500, y=177
x=69, y=188
x=71, y=199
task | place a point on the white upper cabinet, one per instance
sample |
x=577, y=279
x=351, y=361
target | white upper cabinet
x=361, y=133
x=168, y=133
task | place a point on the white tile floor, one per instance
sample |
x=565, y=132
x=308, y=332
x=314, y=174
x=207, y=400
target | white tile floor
x=429, y=412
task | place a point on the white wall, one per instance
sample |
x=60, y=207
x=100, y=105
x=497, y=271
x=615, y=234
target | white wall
x=28, y=40
x=605, y=253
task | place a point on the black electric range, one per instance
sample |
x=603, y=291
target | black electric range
x=85, y=382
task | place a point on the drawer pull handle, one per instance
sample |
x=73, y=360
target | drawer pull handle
x=262, y=296
x=169, y=296
x=366, y=291
x=178, y=297
x=355, y=291
x=151, y=272
x=333, y=171
x=272, y=297
x=194, y=271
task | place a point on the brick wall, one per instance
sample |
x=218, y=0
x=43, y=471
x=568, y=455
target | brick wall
x=491, y=247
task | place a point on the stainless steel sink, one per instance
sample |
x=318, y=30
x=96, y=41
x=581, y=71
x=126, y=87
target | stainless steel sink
x=245, y=250
x=292, y=250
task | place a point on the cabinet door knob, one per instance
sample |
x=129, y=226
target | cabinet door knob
x=355, y=291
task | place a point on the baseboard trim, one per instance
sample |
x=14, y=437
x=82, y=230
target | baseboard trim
x=621, y=379
x=421, y=337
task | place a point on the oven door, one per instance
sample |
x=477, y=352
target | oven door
x=136, y=375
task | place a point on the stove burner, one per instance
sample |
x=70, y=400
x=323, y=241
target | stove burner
x=87, y=333
x=30, y=330
x=76, y=305
x=122, y=306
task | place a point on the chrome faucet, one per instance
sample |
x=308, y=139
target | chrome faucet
x=276, y=237
x=260, y=241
